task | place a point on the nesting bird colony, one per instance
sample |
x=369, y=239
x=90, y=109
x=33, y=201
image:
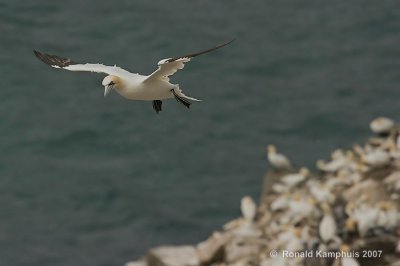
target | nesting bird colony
x=345, y=214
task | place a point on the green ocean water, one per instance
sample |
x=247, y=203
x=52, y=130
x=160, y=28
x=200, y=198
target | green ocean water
x=87, y=180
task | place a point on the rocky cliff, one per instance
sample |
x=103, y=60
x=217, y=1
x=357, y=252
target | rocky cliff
x=345, y=213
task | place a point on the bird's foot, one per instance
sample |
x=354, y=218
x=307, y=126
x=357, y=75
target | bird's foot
x=157, y=105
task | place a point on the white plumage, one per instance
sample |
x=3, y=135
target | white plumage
x=327, y=226
x=381, y=125
x=366, y=217
x=376, y=158
x=349, y=261
x=248, y=208
x=154, y=87
x=277, y=160
x=292, y=180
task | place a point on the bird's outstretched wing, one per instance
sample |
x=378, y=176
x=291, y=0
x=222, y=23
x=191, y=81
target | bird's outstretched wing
x=65, y=63
x=169, y=66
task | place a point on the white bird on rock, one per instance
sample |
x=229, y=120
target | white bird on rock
x=388, y=216
x=292, y=180
x=277, y=160
x=280, y=203
x=327, y=226
x=299, y=208
x=348, y=260
x=376, y=158
x=154, y=87
x=381, y=125
x=332, y=166
x=248, y=208
x=366, y=218
x=321, y=191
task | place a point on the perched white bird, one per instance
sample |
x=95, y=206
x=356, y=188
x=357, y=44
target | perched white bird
x=327, y=226
x=280, y=188
x=298, y=209
x=337, y=154
x=277, y=160
x=292, y=180
x=290, y=239
x=393, y=181
x=388, y=216
x=381, y=125
x=321, y=192
x=366, y=217
x=376, y=158
x=248, y=208
x=348, y=260
x=331, y=166
x=154, y=87
x=244, y=227
x=278, y=260
x=279, y=203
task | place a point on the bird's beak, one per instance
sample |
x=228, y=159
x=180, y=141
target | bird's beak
x=107, y=89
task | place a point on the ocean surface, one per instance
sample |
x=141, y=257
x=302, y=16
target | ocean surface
x=87, y=180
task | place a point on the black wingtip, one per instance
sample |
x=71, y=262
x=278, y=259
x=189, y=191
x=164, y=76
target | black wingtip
x=201, y=52
x=231, y=41
x=225, y=44
x=37, y=53
x=53, y=60
x=39, y=56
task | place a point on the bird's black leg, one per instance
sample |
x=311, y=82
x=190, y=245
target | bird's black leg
x=181, y=100
x=157, y=105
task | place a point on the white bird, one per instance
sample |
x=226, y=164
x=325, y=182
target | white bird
x=393, y=181
x=381, y=125
x=248, y=208
x=331, y=166
x=388, y=216
x=299, y=209
x=279, y=203
x=290, y=239
x=278, y=260
x=349, y=261
x=280, y=188
x=154, y=87
x=292, y=180
x=321, y=192
x=366, y=218
x=277, y=160
x=376, y=158
x=327, y=226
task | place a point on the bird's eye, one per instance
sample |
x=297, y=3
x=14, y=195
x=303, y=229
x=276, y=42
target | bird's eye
x=111, y=83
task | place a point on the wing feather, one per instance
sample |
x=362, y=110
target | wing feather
x=169, y=66
x=68, y=64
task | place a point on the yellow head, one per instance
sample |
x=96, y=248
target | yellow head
x=304, y=171
x=351, y=224
x=111, y=82
x=271, y=149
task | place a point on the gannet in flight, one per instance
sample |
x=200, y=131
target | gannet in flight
x=154, y=87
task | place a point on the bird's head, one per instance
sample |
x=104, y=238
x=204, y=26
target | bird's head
x=304, y=171
x=111, y=82
x=271, y=149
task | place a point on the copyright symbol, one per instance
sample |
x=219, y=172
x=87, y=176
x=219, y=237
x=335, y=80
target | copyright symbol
x=273, y=253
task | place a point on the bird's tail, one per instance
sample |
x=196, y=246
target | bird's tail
x=179, y=92
x=182, y=98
